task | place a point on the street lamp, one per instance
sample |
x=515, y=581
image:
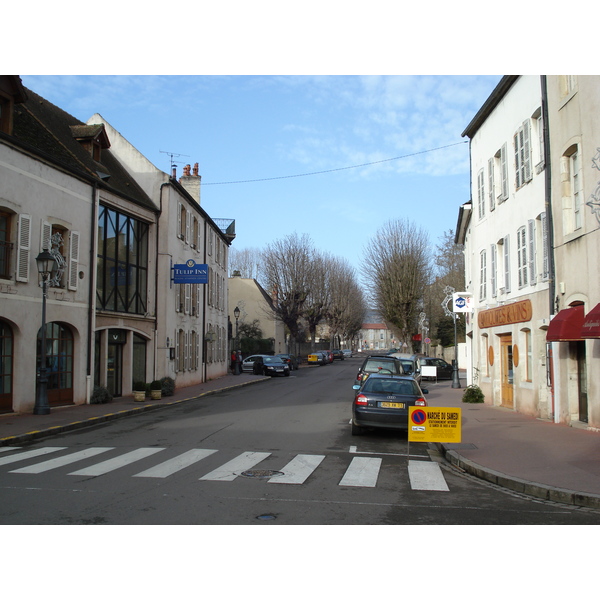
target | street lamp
x=236, y=314
x=449, y=290
x=45, y=265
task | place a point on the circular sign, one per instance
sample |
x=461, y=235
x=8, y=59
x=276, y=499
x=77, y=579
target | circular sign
x=516, y=355
x=419, y=416
x=491, y=356
x=190, y=263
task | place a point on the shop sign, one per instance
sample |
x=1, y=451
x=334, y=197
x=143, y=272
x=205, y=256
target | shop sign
x=517, y=312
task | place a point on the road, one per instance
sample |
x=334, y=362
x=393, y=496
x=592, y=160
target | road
x=278, y=452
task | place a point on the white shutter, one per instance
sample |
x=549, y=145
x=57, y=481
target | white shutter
x=197, y=350
x=179, y=219
x=532, y=257
x=506, y=264
x=504, y=170
x=493, y=267
x=73, y=260
x=46, y=236
x=527, y=150
x=188, y=216
x=518, y=159
x=198, y=298
x=177, y=350
x=545, y=261
x=491, y=193
x=187, y=299
x=23, y=248
x=177, y=297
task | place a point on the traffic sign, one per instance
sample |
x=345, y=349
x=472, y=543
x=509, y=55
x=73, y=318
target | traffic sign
x=433, y=424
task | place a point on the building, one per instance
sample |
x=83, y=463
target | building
x=504, y=229
x=255, y=304
x=574, y=332
x=60, y=188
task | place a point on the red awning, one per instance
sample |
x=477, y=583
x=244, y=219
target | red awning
x=591, y=324
x=566, y=325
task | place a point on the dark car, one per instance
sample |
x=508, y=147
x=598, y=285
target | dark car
x=382, y=401
x=410, y=364
x=291, y=360
x=262, y=364
x=444, y=369
x=386, y=365
x=337, y=355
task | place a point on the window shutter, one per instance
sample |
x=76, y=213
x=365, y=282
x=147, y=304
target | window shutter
x=517, y=160
x=188, y=216
x=46, y=236
x=177, y=297
x=73, y=260
x=179, y=220
x=188, y=302
x=527, y=151
x=545, y=261
x=491, y=193
x=197, y=350
x=198, y=298
x=531, y=232
x=23, y=248
x=493, y=266
x=504, y=172
x=177, y=350
x=506, y=264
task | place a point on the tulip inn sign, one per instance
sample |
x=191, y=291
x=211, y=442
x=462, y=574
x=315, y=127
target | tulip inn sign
x=190, y=272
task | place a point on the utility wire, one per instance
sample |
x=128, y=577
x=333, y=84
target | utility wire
x=338, y=169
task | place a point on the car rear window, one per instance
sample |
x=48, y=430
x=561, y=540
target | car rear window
x=392, y=386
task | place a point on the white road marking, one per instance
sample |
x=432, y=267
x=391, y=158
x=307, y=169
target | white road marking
x=230, y=470
x=7, y=448
x=298, y=469
x=362, y=472
x=55, y=463
x=118, y=462
x=426, y=476
x=176, y=464
x=30, y=454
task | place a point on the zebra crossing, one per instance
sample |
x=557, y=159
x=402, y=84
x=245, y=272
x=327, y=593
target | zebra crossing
x=362, y=471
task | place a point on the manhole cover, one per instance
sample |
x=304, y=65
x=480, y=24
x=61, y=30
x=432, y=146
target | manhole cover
x=267, y=517
x=261, y=473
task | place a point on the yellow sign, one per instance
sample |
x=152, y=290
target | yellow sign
x=432, y=424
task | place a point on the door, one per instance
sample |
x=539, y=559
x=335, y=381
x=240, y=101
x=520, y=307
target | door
x=6, y=367
x=506, y=370
x=114, y=367
x=59, y=363
x=582, y=382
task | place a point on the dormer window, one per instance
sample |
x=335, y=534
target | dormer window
x=93, y=138
x=11, y=93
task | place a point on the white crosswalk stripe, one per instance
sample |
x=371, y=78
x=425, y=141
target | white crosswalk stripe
x=7, y=448
x=298, y=470
x=230, y=470
x=363, y=471
x=118, y=462
x=55, y=463
x=176, y=464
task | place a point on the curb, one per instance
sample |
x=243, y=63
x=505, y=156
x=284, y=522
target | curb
x=75, y=425
x=535, y=490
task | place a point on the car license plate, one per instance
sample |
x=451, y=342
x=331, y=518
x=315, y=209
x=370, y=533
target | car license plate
x=392, y=404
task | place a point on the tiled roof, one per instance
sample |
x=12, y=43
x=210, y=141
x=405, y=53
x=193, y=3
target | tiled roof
x=49, y=131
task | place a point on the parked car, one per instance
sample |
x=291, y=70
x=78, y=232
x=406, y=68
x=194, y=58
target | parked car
x=444, y=369
x=291, y=360
x=347, y=353
x=386, y=365
x=410, y=363
x=337, y=355
x=263, y=364
x=383, y=401
x=329, y=355
x=318, y=358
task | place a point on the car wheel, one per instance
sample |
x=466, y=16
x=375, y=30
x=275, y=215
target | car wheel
x=356, y=430
x=287, y=373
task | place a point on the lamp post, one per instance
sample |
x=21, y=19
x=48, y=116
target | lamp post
x=236, y=366
x=45, y=265
x=449, y=290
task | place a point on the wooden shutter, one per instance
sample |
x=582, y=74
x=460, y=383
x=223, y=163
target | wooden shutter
x=73, y=260
x=23, y=248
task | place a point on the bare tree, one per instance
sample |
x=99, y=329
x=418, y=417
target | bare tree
x=245, y=261
x=287, y=272
x=317, y=302
x=397, y=267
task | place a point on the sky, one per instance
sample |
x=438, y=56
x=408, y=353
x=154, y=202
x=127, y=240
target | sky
x=334, y=157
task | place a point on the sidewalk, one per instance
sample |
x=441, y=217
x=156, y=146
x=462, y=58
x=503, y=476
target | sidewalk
x=524, y=454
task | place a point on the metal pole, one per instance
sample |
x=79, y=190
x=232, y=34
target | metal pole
x=41, y=400
x=455, y=377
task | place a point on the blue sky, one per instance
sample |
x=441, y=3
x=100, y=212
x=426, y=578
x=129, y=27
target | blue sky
x=279, y=154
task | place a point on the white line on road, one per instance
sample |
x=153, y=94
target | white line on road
x=362, y=472
x=30, y=454
x=230, y=470
x=298, y=469
x=118, y=462
x=426, y=476
x=55, y=463
x=176, y=464
x=7, y=448
x=354, y=450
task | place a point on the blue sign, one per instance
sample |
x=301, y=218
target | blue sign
x=190, y=272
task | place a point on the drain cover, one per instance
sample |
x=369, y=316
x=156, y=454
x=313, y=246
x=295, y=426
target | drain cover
x=267, y=517
x=261, y=473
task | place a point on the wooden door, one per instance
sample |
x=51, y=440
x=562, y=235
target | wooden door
x=506, y=370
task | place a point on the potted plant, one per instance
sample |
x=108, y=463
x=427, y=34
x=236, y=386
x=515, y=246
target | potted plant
x=156, y=390
x=139, y=391
x=473, y=394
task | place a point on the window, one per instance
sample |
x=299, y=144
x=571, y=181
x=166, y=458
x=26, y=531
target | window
x=502, y=167
x=538, y=133
x=545, y=255
x=572, y=199
x=122, y=263
x=506, y=247
x=523, y=154
x=531, y=235
x=576, y=190
x=568, y=84
x=6, y=244
x=522, y=256
x=480, y=194
x=482, y=274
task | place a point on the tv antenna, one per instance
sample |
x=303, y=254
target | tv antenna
x=171, y=155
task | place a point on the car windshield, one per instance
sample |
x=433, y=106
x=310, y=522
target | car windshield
x=375, y=365
x=396, y=387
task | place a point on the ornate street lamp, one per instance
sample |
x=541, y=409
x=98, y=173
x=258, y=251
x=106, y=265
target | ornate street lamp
x=449, y=290
x=45, y=265
x=236, y=314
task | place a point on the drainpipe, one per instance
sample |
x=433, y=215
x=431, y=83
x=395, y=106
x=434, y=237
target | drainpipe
x=91, y=295
x=204, y=310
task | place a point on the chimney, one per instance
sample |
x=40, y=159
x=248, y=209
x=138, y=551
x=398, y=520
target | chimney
x=191, y=183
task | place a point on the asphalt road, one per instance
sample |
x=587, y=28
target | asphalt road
x=279, y=452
